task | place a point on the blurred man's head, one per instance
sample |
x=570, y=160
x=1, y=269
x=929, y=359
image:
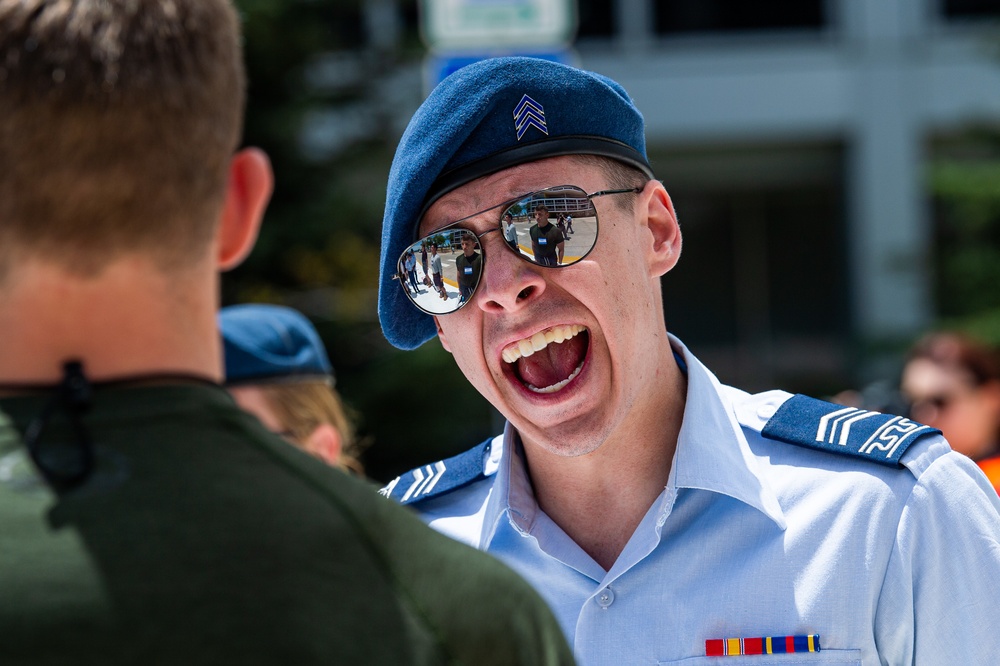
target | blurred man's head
x=119, y=120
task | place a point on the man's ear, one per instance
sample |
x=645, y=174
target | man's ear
x=325, y=443
x=441, y=336
x=247, y=194
x=661, y=220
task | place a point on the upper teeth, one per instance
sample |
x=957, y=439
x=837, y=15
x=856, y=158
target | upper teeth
x=540, y=341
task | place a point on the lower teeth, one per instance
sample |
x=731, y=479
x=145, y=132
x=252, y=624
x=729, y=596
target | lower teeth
x=558, y=385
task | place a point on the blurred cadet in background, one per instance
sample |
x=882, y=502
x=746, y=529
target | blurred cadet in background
x=145, y=518
x=278, y=370
x=667, y=518
x=952, y=382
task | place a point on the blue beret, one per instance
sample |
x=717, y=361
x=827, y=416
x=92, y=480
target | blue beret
x=486, y=117
x=270, y=343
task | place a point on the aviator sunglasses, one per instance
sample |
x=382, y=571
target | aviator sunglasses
x=554, y=227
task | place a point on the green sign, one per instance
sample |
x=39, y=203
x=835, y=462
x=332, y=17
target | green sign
x=474, y=24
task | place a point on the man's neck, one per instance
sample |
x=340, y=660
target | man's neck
x=600, y=498
x=133, y=318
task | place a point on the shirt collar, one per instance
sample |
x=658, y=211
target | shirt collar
x=712, y=454
x=512, y=491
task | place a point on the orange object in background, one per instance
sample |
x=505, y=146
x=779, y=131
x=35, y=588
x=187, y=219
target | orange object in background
x=991, y=466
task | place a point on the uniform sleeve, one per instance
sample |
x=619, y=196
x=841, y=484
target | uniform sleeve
x=941, y=596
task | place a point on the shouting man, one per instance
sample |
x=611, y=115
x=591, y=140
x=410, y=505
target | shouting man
x=664, y=516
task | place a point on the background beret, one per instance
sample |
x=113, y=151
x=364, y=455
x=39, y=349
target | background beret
x=466, y=129
x=270, y=343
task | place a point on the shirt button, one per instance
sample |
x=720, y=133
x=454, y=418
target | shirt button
x=766, y=411
x=605, y=598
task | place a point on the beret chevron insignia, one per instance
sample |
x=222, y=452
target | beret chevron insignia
x=529, y=113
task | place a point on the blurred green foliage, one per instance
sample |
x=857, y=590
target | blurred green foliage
x=965, y=184
x=312, y=64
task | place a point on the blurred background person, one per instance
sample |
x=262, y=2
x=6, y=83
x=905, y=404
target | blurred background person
x=277, y=369
x=952, y=382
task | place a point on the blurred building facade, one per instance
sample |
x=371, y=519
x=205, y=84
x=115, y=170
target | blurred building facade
x=794, y=136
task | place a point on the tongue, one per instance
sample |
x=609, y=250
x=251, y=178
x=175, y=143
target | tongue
x=554, y=363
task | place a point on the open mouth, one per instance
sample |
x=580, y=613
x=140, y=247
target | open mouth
x=549, y=359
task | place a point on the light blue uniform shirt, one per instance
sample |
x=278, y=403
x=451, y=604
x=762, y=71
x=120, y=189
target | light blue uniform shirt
x=753, y=537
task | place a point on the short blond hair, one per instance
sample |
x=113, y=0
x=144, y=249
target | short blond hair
x=302, y=406
x=118, y=120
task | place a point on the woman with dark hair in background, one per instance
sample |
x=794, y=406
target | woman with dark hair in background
x=952, y=382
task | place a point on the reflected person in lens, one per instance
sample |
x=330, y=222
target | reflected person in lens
x=509, y=230
x=437, y=272
x=546, y=239
x=469, y=265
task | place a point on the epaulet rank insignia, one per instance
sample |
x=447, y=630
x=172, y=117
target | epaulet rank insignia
x=816, y=424
x=441, y=477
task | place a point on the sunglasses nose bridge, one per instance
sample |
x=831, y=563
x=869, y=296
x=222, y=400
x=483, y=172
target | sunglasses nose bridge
x=508, y=281
x=488, y=231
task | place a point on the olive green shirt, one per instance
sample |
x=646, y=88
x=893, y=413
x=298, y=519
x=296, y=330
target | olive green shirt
x=200, y=538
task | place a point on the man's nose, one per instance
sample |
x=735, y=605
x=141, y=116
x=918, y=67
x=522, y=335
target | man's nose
x=508, y=282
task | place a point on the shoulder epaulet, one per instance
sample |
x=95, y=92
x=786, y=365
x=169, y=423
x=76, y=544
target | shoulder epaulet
x=441, y=477
x=817, y=424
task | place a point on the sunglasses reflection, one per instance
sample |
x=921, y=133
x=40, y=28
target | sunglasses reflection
x=552, y=228
x=448, y=277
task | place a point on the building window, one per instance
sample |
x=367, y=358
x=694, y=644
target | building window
x=760, y=290
x=596, y=18
x=971, y=8
x=706, y=16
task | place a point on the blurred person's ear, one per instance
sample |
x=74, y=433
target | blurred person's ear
x=324, y=442
x=248, y=191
